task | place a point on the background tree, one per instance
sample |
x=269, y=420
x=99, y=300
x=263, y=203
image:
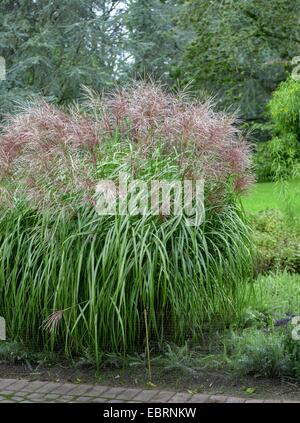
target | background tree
x=242, y=51
x=52, y=47
x=156, y=41
x=278, y=159
x=237, y=50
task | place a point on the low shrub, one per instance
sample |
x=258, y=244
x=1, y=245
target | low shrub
x=276, y=241
x=274, y=300
x=263, y=345
x=259, y=354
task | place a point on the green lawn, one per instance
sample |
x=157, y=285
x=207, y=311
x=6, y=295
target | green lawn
x=273, y=195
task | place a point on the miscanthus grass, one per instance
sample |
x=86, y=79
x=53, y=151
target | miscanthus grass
x=100, y=273
x=75, y=281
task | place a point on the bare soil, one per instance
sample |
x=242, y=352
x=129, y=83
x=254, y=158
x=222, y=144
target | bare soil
x=205, y=382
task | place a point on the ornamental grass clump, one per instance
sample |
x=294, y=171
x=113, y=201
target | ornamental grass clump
x=74, y=279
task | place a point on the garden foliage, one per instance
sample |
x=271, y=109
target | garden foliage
x=278, y=159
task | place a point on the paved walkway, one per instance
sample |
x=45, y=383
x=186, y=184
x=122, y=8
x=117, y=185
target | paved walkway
x=24, y=391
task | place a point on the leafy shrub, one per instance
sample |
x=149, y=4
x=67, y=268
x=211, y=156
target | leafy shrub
x=277, y=243
x=259, y=353
x=274, y=301
x=278, y=159
x=263, y=345
x=266, y=346
x=283, y=107
x=95, y=275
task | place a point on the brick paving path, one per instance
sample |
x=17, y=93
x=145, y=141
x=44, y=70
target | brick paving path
x=24, y=391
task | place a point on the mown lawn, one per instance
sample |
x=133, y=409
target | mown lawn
x=271, y=195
